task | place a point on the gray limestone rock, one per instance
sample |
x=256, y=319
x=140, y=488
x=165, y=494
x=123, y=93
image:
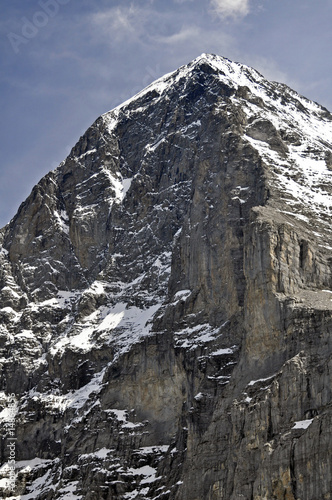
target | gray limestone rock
x=166, y=301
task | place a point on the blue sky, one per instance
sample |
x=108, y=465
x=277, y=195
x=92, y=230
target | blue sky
x=65, y=62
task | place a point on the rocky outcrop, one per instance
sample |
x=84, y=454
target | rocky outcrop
x=166, y=307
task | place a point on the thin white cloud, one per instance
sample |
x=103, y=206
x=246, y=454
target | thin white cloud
x=120, y=22
x=186, y=33
x=151, y=29
x=230, y=8
x=190, y=41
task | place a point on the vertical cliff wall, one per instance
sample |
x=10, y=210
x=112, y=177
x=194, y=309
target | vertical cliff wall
x=166, y=301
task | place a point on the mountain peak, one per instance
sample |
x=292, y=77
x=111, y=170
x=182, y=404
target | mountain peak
x=218, y=64
x=166, y=287
x=232, y=74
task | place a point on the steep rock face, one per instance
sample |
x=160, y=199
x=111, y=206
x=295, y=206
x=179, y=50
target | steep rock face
x=166, y=300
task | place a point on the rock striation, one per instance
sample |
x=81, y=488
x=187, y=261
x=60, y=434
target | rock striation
x=166, y=301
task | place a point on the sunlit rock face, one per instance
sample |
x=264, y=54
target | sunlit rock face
x=166, y=301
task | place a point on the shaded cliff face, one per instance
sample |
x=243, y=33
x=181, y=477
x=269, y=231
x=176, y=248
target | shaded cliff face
x=166, y=300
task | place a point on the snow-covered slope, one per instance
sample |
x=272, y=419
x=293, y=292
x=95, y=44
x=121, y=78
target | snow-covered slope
x=163, y=277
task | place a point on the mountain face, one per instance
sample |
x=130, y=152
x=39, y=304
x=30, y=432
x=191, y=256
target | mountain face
x=166, y=301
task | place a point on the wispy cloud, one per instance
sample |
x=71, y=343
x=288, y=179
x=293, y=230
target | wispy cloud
x=186, y=33
x=230, y=8
x=190, y=40
x=119, y=22
x=150, y=29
